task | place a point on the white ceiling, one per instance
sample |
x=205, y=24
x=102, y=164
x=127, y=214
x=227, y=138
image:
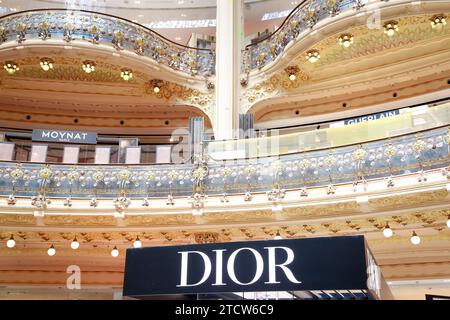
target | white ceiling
x=148, y=11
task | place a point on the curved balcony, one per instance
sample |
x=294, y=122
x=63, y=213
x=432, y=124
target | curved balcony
x=98, y=28
x=304, y=17
x=385, y=161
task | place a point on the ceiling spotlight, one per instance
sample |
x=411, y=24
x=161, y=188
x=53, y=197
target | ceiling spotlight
x=346, y=40
x=88, y=66
x=278, y=236
x=387, y=232
x=51, y=251
x=75, y=244
x=313, y=56
x=11, y=67
x=115, y=252
x=137, y=243
x=156, y=85
x=415, y=239
x=292, y=72
x=391, y=27
x=438, y=21
x=46, y=64
x=448, y=222
x=11, y=242
x=126, y=74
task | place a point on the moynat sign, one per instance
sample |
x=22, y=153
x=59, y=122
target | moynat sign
x=332, y=263
x=64, y=136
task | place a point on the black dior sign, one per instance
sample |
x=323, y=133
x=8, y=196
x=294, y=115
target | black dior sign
x=252, y=266
x=64, y=136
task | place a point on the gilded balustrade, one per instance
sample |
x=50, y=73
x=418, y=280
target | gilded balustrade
x=382, y=159
x=97, y=28
x=302, y=18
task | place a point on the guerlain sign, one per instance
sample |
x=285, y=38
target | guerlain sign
x=64, y=136
x=252, y=266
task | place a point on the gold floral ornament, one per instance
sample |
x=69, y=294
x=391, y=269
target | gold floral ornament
x=149, y=176
x=44, y=32
x=95, y=32
x=199, y=173
x=73, y=176
x=249, y=170
x=17, y=173
x=21, y=28
x=225, y=171
x=419, y=146
x=172, y=175
x=45, y=173
x=390, y=151
x=260, y=59
x=329, y=161
x=359, y=154
x=124, y=175
x=98, y=176
x=304, y=164
x=117, y=40
x=139, y=46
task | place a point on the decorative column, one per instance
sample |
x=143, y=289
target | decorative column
x=229, y=39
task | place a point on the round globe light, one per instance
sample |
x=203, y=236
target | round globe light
x=387, y=232
x=75, y=244
x=11, y=242
x=115, y=252
x=51, y=251
x=137, y=243
x=415, y=239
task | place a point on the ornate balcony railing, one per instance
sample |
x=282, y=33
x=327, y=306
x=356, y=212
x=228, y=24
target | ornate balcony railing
x=354, y=164
x=303, y=17
x=98, y=28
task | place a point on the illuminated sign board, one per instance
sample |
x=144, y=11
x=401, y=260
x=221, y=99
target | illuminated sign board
x=331, y=263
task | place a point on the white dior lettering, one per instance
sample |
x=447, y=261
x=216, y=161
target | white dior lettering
x=219, y=262
x=259, y=266
x=184, y=268
x=282, y=266
x=272, y=265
